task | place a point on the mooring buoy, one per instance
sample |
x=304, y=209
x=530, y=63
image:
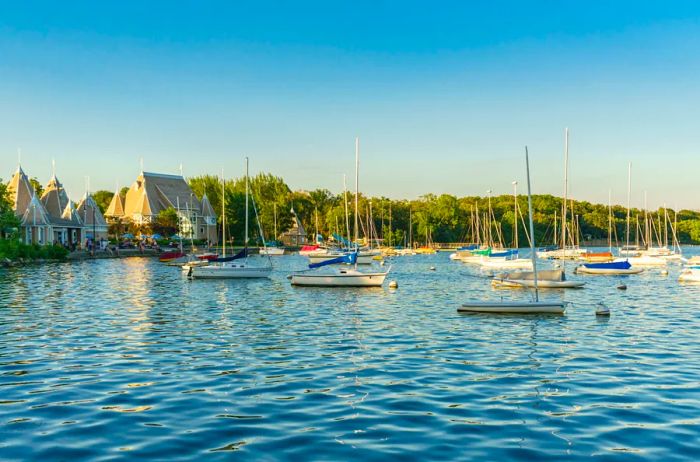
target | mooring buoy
x=622, y=287
x=393, y=285
x=602, y=310
x=432, y=268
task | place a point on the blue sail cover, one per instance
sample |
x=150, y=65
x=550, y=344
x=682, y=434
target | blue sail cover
x=350, y=258
x=242, y=254
x=622, y=265
x=507, y=253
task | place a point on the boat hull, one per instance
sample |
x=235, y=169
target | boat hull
x=272, y=251
x=520, y=263
x=690, y=275
x=229, y=272
x=339, y=280
x=513, y=307
x=645, y=260
x=544, y=284
x=608, y=271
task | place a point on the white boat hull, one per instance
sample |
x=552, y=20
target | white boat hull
x=544, y=284
x=646, y=260
x=607, y=271
x=229, y=272
x=513, y=307
x=272, y=251
x=340, y=279
x=690, y=275
x=519, y=263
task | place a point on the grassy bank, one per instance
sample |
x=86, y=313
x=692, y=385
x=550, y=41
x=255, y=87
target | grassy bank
x=14, y=250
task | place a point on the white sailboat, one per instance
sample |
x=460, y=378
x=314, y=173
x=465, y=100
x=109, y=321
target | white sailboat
x=524, y=307
x=619, y=266
x=508, y=259
x=563, y=252
x=341, y=276
x=237, y=266
x=272, y=250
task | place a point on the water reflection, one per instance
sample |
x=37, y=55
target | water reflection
x=131, y=360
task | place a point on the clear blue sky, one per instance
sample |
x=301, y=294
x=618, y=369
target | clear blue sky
x=443, y=97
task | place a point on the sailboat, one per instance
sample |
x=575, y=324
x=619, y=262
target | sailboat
x=271, y=248
x=342, y=276
x=509, y=258
x=563, y=252
x=229, y=267
x=619, y=266
x=524, y=307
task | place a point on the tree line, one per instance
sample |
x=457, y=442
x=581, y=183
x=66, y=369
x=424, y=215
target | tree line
x=429, y=218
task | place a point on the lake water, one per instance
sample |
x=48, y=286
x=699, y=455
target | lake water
x=128, y=360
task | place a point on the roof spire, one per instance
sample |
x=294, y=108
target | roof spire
x=141, y=165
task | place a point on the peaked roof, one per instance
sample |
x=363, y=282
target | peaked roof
x=87, y=209
x=21, y=191
x=297, y=229
x=54, y=198
x=35, y=214
x=71, y=214
x=207, y=209
x=153, y=192
x=116, y=206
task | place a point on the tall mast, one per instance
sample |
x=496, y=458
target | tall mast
x=610, y=220
x=316, y=222
x=245, y=239
x=390, y=236
x=347, y=218
x=223, y=211
x=532, y=227
x=647, y=229
x=566, y=188
x=357, y=187
x=665, y=226
x=274, y=211
x=410, y=226
x=515, y=215
x=629, y=192
x=490, y=236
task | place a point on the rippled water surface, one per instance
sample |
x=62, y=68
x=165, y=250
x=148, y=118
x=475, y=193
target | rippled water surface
x=127, y=360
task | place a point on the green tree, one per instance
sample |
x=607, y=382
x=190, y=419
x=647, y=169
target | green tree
x=167, y=222
x=103, y=198
x=36, y=184
x=9, y=222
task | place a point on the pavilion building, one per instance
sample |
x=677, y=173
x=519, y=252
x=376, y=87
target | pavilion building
x=152, y=193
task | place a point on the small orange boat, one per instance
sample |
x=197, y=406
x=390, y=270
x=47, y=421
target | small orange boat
x=598, y=257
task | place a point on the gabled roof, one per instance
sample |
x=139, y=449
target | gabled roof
x=70, y=214
x=35, y=214
x=153, y=192
x=207, y=209
x=54, y=198
x=87, y=209
x=297, y=229
x=21, y=191
x=116, y=206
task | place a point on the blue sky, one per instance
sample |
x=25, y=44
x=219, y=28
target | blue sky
x=443, y=97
